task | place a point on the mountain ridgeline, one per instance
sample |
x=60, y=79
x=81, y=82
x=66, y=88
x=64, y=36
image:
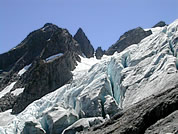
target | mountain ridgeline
x=53, y=82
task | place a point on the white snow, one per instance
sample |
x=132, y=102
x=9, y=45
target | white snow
x=22, y=71
x=7, y=89
x=116, y=81
x=54, y=56
x=6, y=117
x=17, y=91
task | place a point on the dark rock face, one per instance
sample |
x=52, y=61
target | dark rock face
x=165, y=125
x=44, y=77
x=160, y=24
x=44, y=42
x=145, y=116
x=85, y=44
x=133, y=36
x=99, y=53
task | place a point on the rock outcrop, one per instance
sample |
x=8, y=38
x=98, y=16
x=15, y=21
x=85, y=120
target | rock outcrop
x=99, y=53
x=133, y=36
x=6, y=102
x=85, y=45
x=160, y=24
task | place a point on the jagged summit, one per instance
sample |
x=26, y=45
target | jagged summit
x=49, y=24
x=50, y=27
x=160, y=24
x=84, y=43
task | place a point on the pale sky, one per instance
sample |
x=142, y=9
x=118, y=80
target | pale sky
x=103, y=21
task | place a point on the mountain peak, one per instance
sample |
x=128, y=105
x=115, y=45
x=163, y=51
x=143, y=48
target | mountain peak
x=85, y=45
x=80, y=30
x=49, y=27
x=160, y=24
x=48, y=24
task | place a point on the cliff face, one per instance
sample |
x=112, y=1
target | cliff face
x=44, y=77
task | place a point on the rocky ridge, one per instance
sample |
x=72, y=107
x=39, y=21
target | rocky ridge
x=131, y=37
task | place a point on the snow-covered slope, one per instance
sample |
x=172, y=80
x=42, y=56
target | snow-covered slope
x=102, y=87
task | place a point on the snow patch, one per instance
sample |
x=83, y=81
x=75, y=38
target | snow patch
x=17, y=91
x=54, y=56
x=22, y=71
x=7, y=89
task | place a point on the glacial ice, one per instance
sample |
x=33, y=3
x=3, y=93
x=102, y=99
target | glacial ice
x=114, y=82
x=6, y=117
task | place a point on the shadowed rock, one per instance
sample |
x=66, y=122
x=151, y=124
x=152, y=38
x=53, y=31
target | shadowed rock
x=99, y=53
x=44, y=77
x=85, y=44
x=133, y=36
x=42, y=43
x=160, y=24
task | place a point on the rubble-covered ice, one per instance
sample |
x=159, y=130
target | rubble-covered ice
x=101, y=87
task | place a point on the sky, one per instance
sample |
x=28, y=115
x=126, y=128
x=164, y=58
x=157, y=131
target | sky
x=103, y=21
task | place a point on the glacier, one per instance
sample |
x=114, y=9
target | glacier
x=100, y=88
